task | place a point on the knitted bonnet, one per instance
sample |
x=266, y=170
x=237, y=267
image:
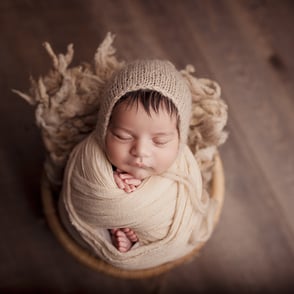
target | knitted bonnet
x=155, y=75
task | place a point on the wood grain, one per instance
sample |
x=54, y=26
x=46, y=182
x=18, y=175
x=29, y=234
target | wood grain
x=245, y=45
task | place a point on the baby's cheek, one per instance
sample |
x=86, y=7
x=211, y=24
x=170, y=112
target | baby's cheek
x=165, y=161
x=114, y=157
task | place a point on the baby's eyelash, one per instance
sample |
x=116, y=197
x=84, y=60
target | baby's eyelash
x=161, y=143
x=122, y=137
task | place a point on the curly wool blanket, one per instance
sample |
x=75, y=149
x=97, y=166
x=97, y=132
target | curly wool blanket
x=169, y=212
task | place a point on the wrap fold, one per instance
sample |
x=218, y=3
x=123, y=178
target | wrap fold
x=170, y=213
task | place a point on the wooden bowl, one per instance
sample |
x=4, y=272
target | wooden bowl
x=85, y=257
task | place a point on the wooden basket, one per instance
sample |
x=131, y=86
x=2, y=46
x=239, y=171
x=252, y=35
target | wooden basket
x=85, y=257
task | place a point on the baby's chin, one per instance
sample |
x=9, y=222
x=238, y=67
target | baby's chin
x=141, y=173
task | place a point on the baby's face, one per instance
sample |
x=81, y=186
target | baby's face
x=139, y=144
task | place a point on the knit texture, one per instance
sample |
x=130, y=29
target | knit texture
x=156, y=75
x=68, y=100
x=170, y=213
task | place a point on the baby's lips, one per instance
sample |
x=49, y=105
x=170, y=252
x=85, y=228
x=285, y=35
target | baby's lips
x=140, y=164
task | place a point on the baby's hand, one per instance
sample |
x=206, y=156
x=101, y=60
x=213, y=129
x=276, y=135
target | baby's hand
x=126, y=181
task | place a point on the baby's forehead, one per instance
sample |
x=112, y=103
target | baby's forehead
x=140, y=123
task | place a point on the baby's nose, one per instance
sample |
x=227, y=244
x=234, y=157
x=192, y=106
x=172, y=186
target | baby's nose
x=141, y=148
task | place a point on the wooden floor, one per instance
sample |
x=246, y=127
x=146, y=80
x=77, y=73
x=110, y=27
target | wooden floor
x=248, y=47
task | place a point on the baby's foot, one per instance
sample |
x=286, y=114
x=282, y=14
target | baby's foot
x=130, y=234
x=123, y=239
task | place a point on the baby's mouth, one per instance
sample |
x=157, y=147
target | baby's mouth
x=141, y=164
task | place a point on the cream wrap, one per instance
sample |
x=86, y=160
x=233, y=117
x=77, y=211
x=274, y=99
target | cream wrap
x=167, y=212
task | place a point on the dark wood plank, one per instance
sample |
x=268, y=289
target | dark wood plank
x=247, y=47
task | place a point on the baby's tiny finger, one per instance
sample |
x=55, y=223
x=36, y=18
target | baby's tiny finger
x=124, y=176
x=133, y=188
x=133, y=181
x=119, y=181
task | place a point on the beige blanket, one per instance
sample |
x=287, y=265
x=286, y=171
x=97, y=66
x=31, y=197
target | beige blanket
x=168, y=212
